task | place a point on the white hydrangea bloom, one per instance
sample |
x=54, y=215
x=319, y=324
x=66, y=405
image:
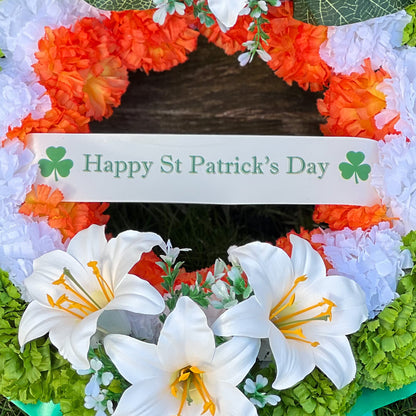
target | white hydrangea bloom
x=395, y=179
x=349, y=45
x=21, y=241
x=16, y=175
x=400, y=90
x=371, y=258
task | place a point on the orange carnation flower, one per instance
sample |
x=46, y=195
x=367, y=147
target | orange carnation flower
x=147, y=45
x=80, y=70
x=294, y=49
x=340, y=216
x=352, y=102
x=68, y=217
x=232, y=40
x=56, y=120
x=285, y=244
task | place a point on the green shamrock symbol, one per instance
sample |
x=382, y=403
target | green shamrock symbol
x=355, y=167
x=55, y=163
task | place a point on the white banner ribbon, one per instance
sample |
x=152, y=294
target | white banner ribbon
x=207, y=169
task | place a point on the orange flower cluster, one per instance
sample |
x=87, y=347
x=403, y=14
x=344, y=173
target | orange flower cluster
x=285, y=244
x=68, y=217
x=294, y=49
x=146, y=45
x=232, y=40
x=351, y=104
x=56, y=120
x=80, y=69
x=340, y=216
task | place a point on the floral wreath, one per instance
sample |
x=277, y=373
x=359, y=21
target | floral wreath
x=265, y=333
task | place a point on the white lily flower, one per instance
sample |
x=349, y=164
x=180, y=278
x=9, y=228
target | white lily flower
x=227, y=11
x=184, y=374
x=72, y=289
x=304, y=314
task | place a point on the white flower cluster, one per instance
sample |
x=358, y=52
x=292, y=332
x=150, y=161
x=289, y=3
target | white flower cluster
x=371, y=258
x=21, y=239
x=348, y=46
x=20, y=92
x=95, y=396
x=395, y=179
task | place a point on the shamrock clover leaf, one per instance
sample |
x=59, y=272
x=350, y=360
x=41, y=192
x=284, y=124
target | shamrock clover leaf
x=55, y=164
x=355, y=167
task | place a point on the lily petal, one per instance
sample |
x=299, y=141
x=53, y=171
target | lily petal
x=37, y=320
x=294, y=360
x=135, y=360
x=136, y=295
x=80, y=246
x=268, y=269
x=234, y=359
x=186, y=337
x=124, y=251
x=48, y=268
x=72, y=339
x=306, y=260
x=246, y=319
x=147, y=398
x=351, y=309
x=334, y=358
x=226, y=11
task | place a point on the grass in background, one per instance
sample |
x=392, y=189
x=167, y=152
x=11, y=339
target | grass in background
x=209, y=230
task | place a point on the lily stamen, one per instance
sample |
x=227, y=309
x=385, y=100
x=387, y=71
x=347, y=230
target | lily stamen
x=188, y=377
x=318, y=305
x=103, y=284
x=295, y=283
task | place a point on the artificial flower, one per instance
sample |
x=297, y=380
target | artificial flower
x=22, y=240
x=68, y=217
x=371, y=258
x=232, y=40
x=55, y=120
x=144, y=44
x=304, y=314
x=348, y=46
x=93, y=83
x=184, y=374
x=285, y=244
x=394, y=177
x=294, y=49
x=226, y=12
x=340, y=216
x=352, y=102
x=72, y=289
x=16, y=174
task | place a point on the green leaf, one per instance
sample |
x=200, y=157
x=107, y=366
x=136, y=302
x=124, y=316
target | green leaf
x=122, y=4
x=355, y=167
x=343, y=12
x=363, y=172
x=64, y=167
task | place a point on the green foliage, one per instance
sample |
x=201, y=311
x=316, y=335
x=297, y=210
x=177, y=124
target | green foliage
x=315, y=395
x=343, y=12
x=409, y=35
x=385, y=347
x=121, y=4
x=39, y=372
x=409, y=242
